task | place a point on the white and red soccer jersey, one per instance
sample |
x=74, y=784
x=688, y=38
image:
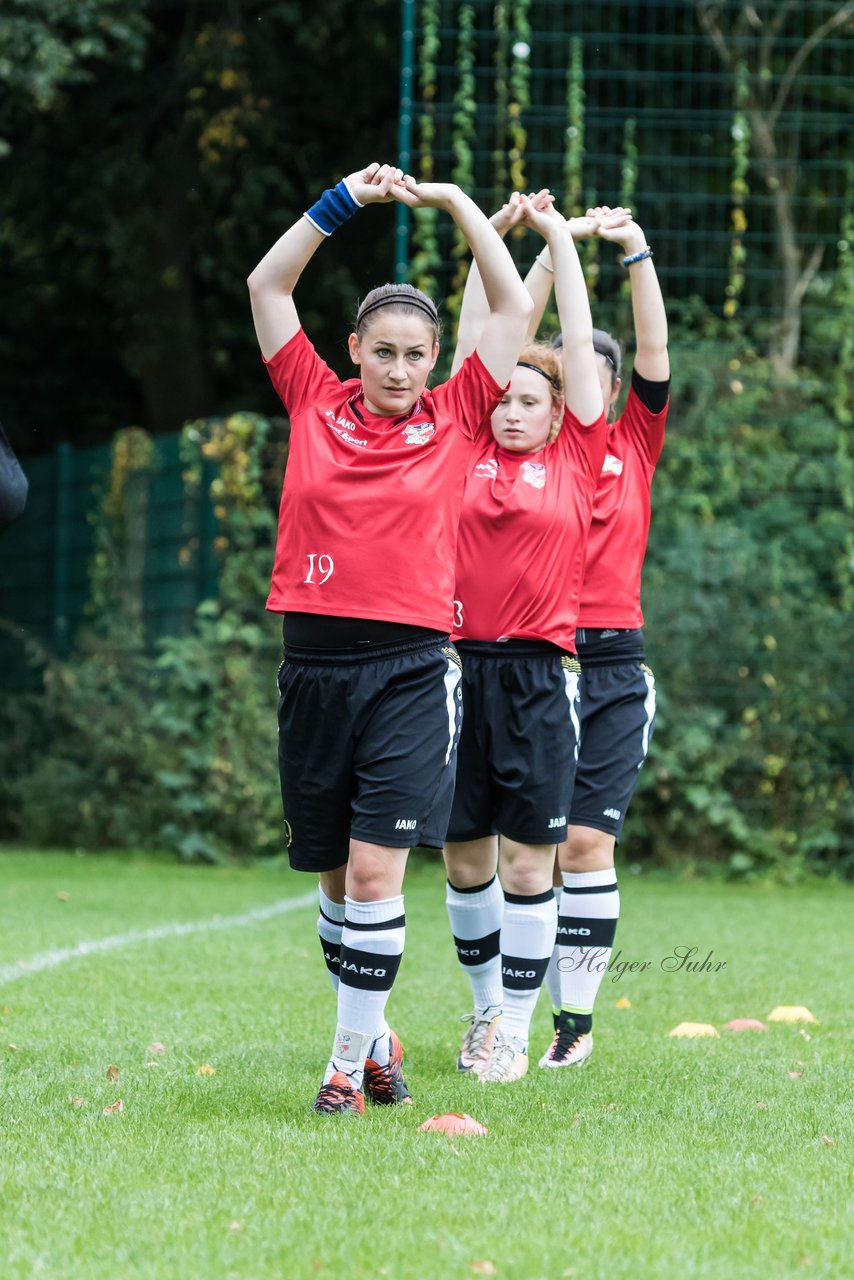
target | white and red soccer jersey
x=523, y=536
x=370, y=505
x=611, y=591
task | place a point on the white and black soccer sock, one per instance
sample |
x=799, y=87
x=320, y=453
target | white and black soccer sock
x=371, y=949
x=527, y=942
x=330, y=923
x=475, y=915
x=552, y=980
x=587, y=921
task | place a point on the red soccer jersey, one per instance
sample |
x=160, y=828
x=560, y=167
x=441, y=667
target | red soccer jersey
x=523, y=535
x=611, y=592
x=370, y=505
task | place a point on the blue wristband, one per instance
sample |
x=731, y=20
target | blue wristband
x=333, y=209
x=638, y=257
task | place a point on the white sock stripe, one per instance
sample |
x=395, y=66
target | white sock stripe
x=332, y=910
x=581, y=879
x=453, y=676
x=593, y=906
x=489, y=899
x=58, y=956
x=376, y=913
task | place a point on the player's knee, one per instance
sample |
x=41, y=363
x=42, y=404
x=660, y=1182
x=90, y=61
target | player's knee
x=374, y=872
x=587, y=850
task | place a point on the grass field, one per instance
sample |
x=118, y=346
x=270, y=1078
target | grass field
x=662, y=1158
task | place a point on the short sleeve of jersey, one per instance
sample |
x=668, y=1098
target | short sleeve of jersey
x=643, y=428
x=299, y=375
x=469, y=397
x=584, y=440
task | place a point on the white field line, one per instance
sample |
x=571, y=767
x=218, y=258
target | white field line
x=176, y=929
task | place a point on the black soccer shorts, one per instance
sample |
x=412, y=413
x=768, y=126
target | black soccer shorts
x=367, y=748
x=518, y=744
x=617, y=722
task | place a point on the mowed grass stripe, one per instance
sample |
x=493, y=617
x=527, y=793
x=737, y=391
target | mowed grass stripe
x=653, y=1161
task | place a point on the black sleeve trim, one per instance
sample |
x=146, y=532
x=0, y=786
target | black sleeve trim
x=652, y=395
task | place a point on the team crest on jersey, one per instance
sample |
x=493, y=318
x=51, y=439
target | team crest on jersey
x=612, y=465
x=419, y=435
x=487, y=470
x=534, y=473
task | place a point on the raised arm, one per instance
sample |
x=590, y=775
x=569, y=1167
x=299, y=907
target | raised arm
x=474, y=311
x=538, y=281
x=582, y=390
x=540, y=277
x=273, y=281
x=508, y=301
x=651, y=358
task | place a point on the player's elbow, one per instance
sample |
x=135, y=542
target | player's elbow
x=525, y=306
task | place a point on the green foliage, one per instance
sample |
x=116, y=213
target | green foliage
x=48, y=45
x=171, y=746
x=747, y=599
x=163, y=151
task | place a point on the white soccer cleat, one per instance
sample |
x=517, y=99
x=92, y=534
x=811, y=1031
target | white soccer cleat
x=508, y=1061
x=569, y=1047
x=476, y=1048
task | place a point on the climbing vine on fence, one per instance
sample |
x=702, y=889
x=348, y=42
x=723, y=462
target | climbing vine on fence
x=462, y=142
x=427, y=258
x=740, y=134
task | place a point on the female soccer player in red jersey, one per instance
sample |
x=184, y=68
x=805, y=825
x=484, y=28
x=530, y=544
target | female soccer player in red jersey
x=617, y=687
x=520, y=561
x=369, y=704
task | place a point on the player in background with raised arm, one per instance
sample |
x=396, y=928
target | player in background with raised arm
x=520, y=562
x=617, y=686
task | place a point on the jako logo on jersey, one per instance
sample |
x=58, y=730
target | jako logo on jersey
x=534, y=473
x=406, y=824
x=419, y=435
x=342, y=427
x=612, y=465
x=557, y=822
x=487, y=470
x=611, y=813
x=576, y=933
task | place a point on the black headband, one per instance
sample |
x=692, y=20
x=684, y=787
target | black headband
x=396, y=299
x=548, y=377
x=607, y=356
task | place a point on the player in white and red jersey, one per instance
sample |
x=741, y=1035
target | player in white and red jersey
x=617, y=686
x=369, y=707
x=520, y=561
